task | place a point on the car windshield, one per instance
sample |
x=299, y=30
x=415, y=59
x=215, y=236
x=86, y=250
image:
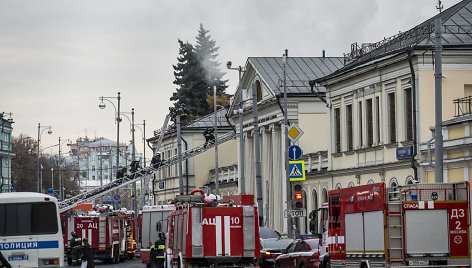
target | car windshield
x=272, y=244
x=265, y=233
x=313, y=243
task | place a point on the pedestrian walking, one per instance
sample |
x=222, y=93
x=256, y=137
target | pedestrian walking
x=87, y=254
x=75, y=244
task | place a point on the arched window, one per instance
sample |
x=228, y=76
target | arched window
x=351, y=184
x=314, y=200
x=393, y=182
x=325, y=195
x=258, y=91
x=370, y=182
x=338, y=186
x=410, y=180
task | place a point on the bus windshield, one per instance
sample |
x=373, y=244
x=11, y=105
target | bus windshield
x=28, y=219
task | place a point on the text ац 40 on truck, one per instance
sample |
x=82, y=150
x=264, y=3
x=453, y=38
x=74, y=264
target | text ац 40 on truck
x=203, y=234
x=417, y=225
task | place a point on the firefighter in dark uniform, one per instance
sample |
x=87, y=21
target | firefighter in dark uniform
x=156, y=160
x=209, y=135
x=158, y=252
x=75, y=244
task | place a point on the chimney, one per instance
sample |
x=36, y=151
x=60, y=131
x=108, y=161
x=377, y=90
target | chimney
x=324, y=53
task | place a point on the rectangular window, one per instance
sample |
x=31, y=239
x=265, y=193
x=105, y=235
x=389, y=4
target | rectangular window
x=392, y=129
x=408, y=114
x=93, y=168
x=28, y=219
x=377, y=118
x=369, y=122
x=349, y=126
x=337, y=130
x=361, y=143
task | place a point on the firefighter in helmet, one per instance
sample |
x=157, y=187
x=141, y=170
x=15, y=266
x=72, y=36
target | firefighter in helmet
x=75, y=244
x=156, y=160
x=158, y=252
x=209, y=135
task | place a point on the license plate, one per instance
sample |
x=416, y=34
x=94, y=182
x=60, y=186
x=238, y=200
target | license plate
x=18, y=258
x=413, y=263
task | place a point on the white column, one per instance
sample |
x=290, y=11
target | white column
x=266, y=161
x=277, y=184
x=249, y=166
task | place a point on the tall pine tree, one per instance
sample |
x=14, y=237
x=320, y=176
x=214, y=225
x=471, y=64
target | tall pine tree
x=207, y=51
x=196, y=72
x=189, y=77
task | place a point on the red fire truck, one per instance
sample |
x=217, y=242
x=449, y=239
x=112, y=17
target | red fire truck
x=106, y=233
x=203, y=234
x=131, y=245
x=418, y=225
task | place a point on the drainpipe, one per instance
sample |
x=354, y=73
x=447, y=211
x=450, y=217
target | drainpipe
x=413, y=95
x=186, y=166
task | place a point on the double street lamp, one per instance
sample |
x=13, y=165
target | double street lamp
x=117, y=119
x=40, y=132
x=240, y=111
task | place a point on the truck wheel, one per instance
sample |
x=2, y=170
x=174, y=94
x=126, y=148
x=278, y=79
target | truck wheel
x=69, y=261
x=327, y=265
x=116, y=255
x=130, y=256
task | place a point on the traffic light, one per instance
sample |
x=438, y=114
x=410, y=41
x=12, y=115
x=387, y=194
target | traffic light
x=298, y=197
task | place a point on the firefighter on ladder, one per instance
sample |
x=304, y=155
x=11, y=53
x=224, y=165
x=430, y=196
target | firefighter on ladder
x=209, y=135
x=158, y=252
x=75, y=244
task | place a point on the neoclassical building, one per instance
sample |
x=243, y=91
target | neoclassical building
x=382, y=102
x=305, y=109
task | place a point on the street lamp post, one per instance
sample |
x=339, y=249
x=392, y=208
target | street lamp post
x=240, y=111
x=61, y=190
x=40, y=132
x=118, y=120
x=52, y=180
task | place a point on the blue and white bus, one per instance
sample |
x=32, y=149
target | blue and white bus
x=30, y=230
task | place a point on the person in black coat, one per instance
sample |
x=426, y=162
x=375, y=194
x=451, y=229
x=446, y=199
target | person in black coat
x=87, y=254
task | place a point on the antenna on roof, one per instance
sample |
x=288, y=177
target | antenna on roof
x=439, y=7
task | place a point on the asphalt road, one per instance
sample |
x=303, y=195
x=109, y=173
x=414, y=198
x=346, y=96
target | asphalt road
x=126, y=263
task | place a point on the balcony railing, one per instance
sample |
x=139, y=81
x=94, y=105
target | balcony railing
x=463, y=106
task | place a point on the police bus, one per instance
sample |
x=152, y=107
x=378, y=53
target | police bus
x=30, y=230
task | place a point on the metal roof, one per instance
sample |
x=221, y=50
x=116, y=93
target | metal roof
x=208, y=121
x=299, y=70
x=456, y=32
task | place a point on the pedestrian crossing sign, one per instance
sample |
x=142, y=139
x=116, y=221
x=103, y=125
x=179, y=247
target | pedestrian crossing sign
x=297, y=170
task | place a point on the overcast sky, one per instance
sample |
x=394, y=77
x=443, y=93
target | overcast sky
x=57, y=57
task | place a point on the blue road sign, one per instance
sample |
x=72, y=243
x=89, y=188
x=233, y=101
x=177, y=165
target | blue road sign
x=161, y=185
x=116, y=197
x=111, y=202
x=294, y=152
x=297, y=170
x=404, y=152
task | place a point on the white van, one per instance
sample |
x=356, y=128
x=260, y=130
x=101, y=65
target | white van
x=30, y=230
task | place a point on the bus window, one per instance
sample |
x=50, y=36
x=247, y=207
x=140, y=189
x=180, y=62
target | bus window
x=28, y=219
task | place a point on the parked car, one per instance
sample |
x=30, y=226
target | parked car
x=300, y=253
x=271, y=248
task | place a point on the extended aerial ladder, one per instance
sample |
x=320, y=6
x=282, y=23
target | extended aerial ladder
x=138, y=175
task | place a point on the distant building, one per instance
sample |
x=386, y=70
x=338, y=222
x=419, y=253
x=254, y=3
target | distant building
x=6, y=153
x=97, y=161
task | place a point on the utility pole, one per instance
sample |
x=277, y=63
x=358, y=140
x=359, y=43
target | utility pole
x=60, y=172
x=133, y=150
x=257, y=152
x=179, y=152
x=287, y=143
x=438, y=148
x=217, y=184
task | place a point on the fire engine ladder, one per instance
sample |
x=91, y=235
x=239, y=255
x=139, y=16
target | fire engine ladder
x=138, y=175
x=394, y=226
